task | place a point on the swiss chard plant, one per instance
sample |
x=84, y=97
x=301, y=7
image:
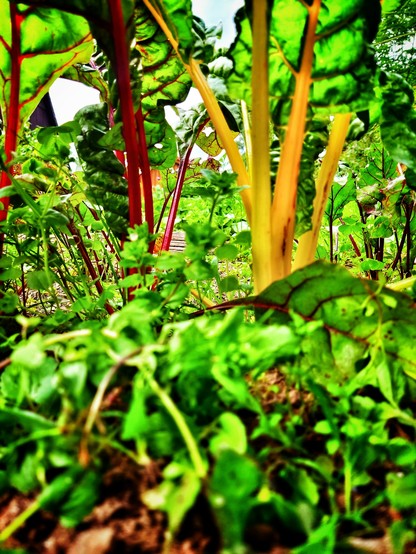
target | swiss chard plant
x=292, y=65
x=293, y=81
x=299, y=82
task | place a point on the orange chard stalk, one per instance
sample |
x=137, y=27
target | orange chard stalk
x=284, y=202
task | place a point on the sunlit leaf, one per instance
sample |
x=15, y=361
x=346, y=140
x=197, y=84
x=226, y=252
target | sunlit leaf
x=342, y=67
x=48, y=42
x=178, y=15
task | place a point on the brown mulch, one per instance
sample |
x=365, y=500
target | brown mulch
x=119, y=524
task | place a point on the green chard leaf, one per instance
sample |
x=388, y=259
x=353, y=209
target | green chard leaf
x=178, y=16
x=107, y=187
x=85, y=74
x=98, y=15
x=37, y=45
x=342, y=192
x=359, y=321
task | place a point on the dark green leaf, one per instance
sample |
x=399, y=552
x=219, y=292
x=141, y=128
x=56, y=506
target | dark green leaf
x=30, y=421
x=343, y=68
x=81, y=500
x=232, y=489
x=342, y=192
x=227, y=252
x=178, y=16
x=56, y=491
x=231, y=436
x=229, y=284
x=401, y=490
x=39, y=280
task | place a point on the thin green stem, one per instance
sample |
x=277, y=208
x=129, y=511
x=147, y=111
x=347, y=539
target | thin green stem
x=19, y=521
x=247, y=136
x=403, y=284
x=392, y=39
x=102, y=387
x=347, y=486
x=176, y=415
x=66, y=337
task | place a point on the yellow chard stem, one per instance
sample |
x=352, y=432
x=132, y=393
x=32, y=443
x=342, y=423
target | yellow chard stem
x=214, y=111
x=260, y=161
x=284, y=202
x=308, y=242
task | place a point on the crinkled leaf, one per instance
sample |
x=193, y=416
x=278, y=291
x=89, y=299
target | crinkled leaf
x=157, y=75
x=205, y=39
x=209, y=143
x=315, y=141
x=98, y=14
x=194, y=119
x=164, y=81
x=373, y=163
x=340, y=75
x=160, y=138
x=85, y=74
x=107, y=187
